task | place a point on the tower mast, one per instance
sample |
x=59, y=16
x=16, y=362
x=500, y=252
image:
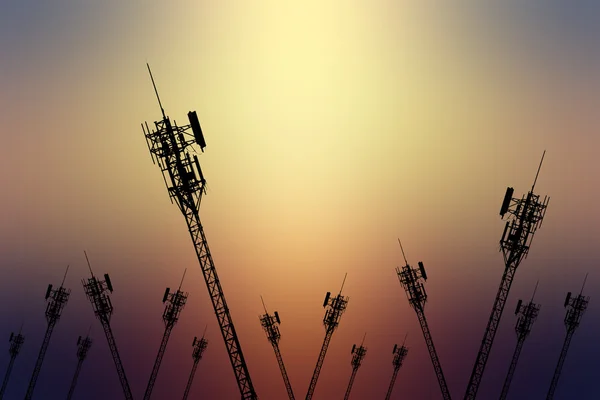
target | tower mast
x=168, y=144
x=410, y=279
x=335, y=308
x=269, y=324
x=57, y=299
x=525, y=216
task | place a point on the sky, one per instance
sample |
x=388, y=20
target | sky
x=332, y=129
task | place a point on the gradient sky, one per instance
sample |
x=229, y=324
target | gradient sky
x=332, y=129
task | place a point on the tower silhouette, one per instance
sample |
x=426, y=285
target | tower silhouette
x=16, y=341
x=169, y=146
x=57, y=299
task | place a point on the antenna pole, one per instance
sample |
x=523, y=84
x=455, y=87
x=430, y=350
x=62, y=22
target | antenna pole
x=401, y=248
x=64, y=277
x=156, y=91
x=263, y=303
x=181, y=283
x=538, y=171
x=344, y=281
x=405, y=336
x=88, y=263
x=584, y=279
x=204, y=333
x=534, y=290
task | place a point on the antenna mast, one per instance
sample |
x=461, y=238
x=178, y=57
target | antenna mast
x=57, y=299
x=95, y=290
x=174, y=304
x=359, y=354
x=335, y=308
x=169, y=146
x=199, y=347
x=16, y=341
x=576, y=307
x=527, y=315
x=270, y=325
x=83, y=346
x=525, y=216
x=410, y=279
x=399, y=355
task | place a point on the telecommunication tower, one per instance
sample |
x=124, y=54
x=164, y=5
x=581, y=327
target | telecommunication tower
x=358, y=353
x=399, y=355
x=56, y=301
x=525, y=216
x=269, y=324
x=83, y=346
x=95, y=290
x=410, y=279
x=169, y=145
x=527, y=315
x=16, y=341
x=575, y=306
x=174, y=304
x=199, y=347
x=337, y=306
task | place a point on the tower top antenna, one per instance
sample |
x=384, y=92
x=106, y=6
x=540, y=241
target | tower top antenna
x=538, y=171
x=181, y=283
x=343, y=282
x=363, y=339
x=263, y=303
x=405, y=336
x=535, y=289
x=204, y=333
x=582, y=286
x=65, y=277
x=88, y=263
x=156, y=91
x=401, y=248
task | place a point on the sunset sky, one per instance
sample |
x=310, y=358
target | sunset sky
x=333, y=128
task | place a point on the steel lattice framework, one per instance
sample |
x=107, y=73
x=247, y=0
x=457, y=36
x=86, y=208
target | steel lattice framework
x=269, y=324
x=83, y=346
x=174, y=304
x=337, y=305
x=199, y=347
x=57, y=299
x=358, y=354
x=169, y=145
x=527, y=315
x=16, y=341
x=575, y=309
x=410, y=279
x=95, y=290
x=525, y=217
x=399, y=355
